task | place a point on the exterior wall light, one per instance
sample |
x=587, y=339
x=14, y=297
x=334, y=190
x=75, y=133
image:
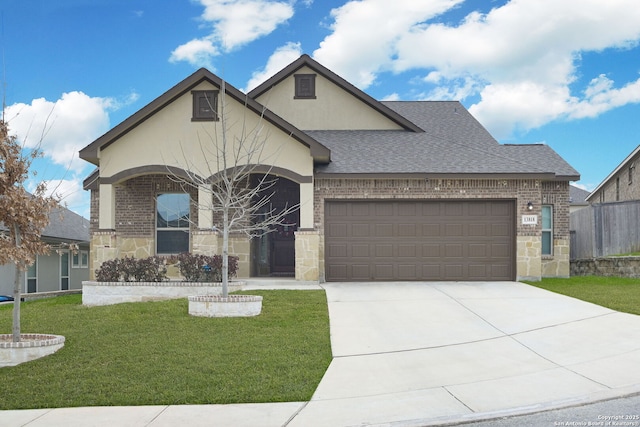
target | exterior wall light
x=529, y=206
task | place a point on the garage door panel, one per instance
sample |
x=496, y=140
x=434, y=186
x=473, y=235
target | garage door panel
x=420, y=240
x=432, y=270
x=500, y=250
x=454, y=209
x=407, y=209
x=337, y=230
x=479, y=271
x=360, y=250
x=361, y=272
x=384, y=272
x=454, y=229
x=359, y=230
x=454, y=250
x=479, y=250
x=361, y=210
x=336, y=250
x=407, y=251
x=407, y=272
x=384, y=230
x=384, y=251
x=431, y=251
x=407, y=230
x=500, y=230
x=384, y=209
x=454, y=271
x=477, y=230
x=431, y=230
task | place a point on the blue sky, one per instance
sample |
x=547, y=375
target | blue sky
x=560, y=72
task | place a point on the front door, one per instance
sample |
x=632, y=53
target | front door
x=273, y=254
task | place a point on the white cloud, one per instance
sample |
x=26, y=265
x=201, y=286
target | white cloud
x=233, y=23
x=61, y=128
x=282, y=57
x=197, y=52
x=68, y=191
x=365, y=34
x=520, y=58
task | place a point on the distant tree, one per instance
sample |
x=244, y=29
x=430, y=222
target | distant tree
x=23, y=214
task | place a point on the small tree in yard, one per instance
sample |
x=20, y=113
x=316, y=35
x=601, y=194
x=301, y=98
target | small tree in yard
x=23, y=215
x=237, y=181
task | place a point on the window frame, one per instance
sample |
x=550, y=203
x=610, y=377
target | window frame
x=160, y=230
x=80, y=259
x=212, y=99
x=310, y=93
x=548, y=231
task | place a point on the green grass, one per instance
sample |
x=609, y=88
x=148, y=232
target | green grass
x=154, y=353
x=616, y=293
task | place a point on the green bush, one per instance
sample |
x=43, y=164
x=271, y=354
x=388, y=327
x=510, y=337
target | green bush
x=194, y=268
x=203, y=268
x=151, y=269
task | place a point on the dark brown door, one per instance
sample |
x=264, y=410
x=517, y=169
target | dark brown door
x=419, y=240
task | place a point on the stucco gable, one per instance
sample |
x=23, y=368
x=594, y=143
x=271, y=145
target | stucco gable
x=337, y=104
x=202, y=76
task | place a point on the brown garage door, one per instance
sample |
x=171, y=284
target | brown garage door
x=419, y=240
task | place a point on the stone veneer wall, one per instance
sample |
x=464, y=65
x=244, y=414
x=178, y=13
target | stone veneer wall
x=628, y=266
x=307, y=255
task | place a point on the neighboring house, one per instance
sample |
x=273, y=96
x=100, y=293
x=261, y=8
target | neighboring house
x=577, y=198
x=387, y=190
x=61, y=269
x=621, y=184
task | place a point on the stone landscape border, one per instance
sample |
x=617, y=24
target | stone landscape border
x=218, y=306
x=107, y=293
x=31, y=347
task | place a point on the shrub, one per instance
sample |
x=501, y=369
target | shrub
x=204, y=268
x=151, y=269
x=108, y=271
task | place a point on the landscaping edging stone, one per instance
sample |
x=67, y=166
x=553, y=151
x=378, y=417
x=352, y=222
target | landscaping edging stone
x=31, y=347
x=107, y=293
x=218, y=306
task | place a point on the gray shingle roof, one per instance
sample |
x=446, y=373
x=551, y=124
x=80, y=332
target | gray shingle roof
x=578, y=196
x=453, y=143
x=64, y=225
x=67, y=225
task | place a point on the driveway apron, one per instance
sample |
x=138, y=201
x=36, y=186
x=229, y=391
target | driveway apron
x=430, y=353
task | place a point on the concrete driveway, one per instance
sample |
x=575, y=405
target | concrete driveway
x=431, y=353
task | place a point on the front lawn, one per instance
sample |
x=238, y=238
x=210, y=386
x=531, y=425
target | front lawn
x=616, y=293
x=154, y=353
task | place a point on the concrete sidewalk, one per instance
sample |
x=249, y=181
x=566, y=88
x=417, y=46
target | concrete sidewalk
x=414, y=354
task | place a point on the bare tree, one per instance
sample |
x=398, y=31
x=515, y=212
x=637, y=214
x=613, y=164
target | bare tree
x=236, y=179
x=24, y=215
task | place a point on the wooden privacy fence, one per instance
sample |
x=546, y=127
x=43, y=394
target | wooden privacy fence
x=605, y=229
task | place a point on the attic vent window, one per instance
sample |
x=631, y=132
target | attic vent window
x=205, y=105
x=305, y=86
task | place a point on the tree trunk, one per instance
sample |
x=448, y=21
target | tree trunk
x=225, y=254
x=16, y=292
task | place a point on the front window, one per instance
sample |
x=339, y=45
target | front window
x=80, y=259
x=172, y=223
x=547, y=230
